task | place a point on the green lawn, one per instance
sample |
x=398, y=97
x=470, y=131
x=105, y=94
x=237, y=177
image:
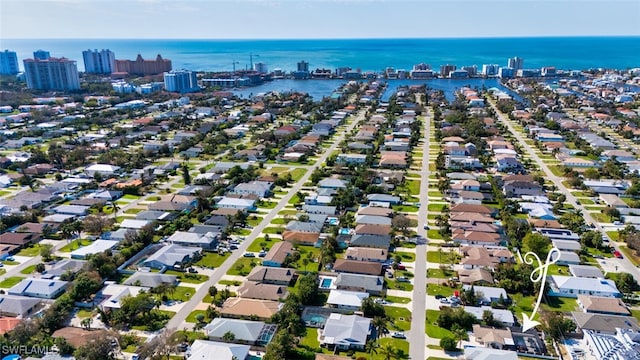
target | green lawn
x=630, y=254
x=182, y=293
x=436, y=194
x=297, y=174
x=74, y=245
x=10, y=281
x=435, y=289
x=440, y=274
x=600, y=217
x=28, y=270
x=405, y=256
x=267, y=204
x=241, y=232
x=434, y=234
x=413, y=186
x=188, y=277
x=254, y=220
x=273, y=230
x=230, y=282
x=396, y=285
x=432, y=328
x=635, y=314
x=310, y=340
x=281, y=221
x=405, y=208
x=84, y=313
x=560, y=304
x=397, y=299
x=243, y=266
x=212, y=260
x=436, y=207
x=31, y=251
x=131, y=197
x=133, y=211
x=287, y=212
x=194, y=314
x=613, y=235
x=399, y=317
x=443, y=257
x=256, y=247
x=521, y=304
x=304, y=254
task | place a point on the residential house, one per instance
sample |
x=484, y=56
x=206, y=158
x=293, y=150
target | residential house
x=604, y=324
x=203, y=349
x=501, y=315
x=260, y=189
x=150, y=279
x=357, y=267
x=384, y=198
x=269, y=275
x=493, y=338
x=261, y=291
x=18, y=306
x=301, y=237
x=242, y=308
x=480, y=257
x=475, y=276
x=373, y=285
x=571, y=287
x=348, y=300
x=246, y=332
x=105, y=170
x=19, y=239
x=483, y=353
x=603, y=305
x=194, y=239
x=332, y=183
x=65, y=266
x=371, y=241
x=586, y=271
x=567, y=258
x=304, y=226
x=366, y=254
x=319, y=209
x=486, y=295
x=112, y=294
x=237, y=203
x=277, y=254
x=172, y=256
x=373, y=220
x=566, y=245
x=39, y=288
x=97, y=246
x=346, y=332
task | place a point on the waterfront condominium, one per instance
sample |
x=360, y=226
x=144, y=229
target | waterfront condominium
x=181, y=81
x=41, y=54
x=8, y=63
x=516, y=63
x=99, y=62
x=51, y=74
x=143, y=67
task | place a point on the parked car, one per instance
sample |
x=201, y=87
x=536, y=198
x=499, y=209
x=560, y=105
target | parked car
x=401, y=267
x=440, y=296
x=617, y=254
x=403, y=279
x=249, y=254
x=262, y=254
x=398, y=335
x=444, y=301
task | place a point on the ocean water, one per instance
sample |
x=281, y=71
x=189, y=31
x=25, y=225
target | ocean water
x=567, y=53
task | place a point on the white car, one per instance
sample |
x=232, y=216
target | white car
x=398, y=335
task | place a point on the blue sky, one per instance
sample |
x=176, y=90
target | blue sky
x=289, y=19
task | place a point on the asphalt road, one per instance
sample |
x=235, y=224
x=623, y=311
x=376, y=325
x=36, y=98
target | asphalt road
x=416, y=336
x=178, y=319
x=623, y=264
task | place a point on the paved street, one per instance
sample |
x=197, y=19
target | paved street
x=416, y=336
x=623, y=264
x=177, y=321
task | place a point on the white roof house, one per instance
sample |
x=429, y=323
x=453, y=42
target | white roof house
x=486, y=294
x=214, y=350
x=113, y=293
x=586, y=271
x=134, y=224
x=346, y=299
x=171, y=256
x=483, y=353
x=569, y=286
x=39, y=288
x=103, y=169
x=236, y=203
x=346, y=331
x=504, y=316
x=95, y=247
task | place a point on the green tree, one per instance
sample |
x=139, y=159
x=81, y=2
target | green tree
x=555, y=324
x=448, y=343
x=46, y=251
x=371, y=347
x=228, y=336
x=186, y=177
x=308, y=288
x=626, y=283
x=388, y=351
x=536, y=243
x=380, y=324
x=97, y=348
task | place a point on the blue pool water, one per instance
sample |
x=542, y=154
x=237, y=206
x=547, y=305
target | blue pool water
x=326, y=283
x=334, y=221
x=344, y=231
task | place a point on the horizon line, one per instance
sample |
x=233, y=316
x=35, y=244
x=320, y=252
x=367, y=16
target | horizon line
x=336, y=38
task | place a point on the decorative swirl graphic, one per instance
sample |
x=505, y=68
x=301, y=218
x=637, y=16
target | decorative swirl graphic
x=539, y=274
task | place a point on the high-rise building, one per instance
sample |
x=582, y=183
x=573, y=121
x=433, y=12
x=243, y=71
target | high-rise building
x=506, y=72
x=445, y=70
x=471, y=70
x=260, y=67
x=143, y=67
x=490, y=69
x=52, y=74
x=515, y=62
x=8, y=63
x=99, y=62
x=41, y=55
x=181, y=81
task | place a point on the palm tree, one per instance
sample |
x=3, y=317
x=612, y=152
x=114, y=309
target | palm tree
x=371, y=347
x=380, y=324
x=388, y=351
x=460, y=334
x=114, y=207
x=86, y=323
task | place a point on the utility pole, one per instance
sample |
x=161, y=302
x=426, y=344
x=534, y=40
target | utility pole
x=234, y=66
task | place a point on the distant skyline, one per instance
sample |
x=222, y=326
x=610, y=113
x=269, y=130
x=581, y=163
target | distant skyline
x=317, y=19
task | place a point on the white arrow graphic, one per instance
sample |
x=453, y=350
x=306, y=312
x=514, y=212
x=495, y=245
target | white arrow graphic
x=539, y=274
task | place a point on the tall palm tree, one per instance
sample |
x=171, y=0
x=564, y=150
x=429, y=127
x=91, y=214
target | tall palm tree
x=371, y=347
x=388, y=351
x=380, y=324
